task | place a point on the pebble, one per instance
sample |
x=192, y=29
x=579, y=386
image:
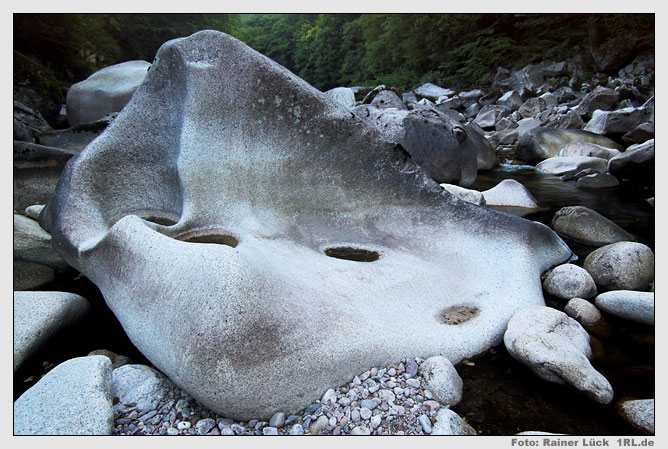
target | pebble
x=297, y=429
x=393, y=393
x=425, y=423
x=277, y=420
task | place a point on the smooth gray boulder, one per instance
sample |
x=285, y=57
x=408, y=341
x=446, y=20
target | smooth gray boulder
x=530, y=78
x=343, y=95
x=442, y=379
x=446, y=150
x=472, y=196
x=532, y=107
x=628, y=304
x=140, y=385
x=510, y=193
x=28, y=275
x=107, y=90
x=560, y=166
x=38, y=316
x=34, y=211
x=450, y=423
x=74, y=398
x=260, y=243
x=636, y=163
x=639, y=413
x=37, y=169
x=510, y=99
x=597, y=181
x=621, y=266
x=570, y=281
x=33, y=244
x=556, y=348
x=588, y=149
x=489, y=115
x=541, y=143
x=587, y=226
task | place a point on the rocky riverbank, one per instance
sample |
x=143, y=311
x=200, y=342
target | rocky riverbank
x=596, y=134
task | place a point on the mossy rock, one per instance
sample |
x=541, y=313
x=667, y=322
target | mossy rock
x=37, y=87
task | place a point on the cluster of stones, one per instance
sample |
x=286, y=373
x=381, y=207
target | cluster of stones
x=565, y=129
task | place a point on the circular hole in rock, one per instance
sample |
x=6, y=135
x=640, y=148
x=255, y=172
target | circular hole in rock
x=209, y=236
x=354, y=254
x=455, y=315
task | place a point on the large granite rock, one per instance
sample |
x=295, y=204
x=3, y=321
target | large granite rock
x=616, y=122
x=621, y=266
x=74, y=398
x=107, y=90
x=444, y=149
x=639, y=413
x=587, y=226
x=602, y=98
x=442, y=379
x=387, y=99
x=432, y=92
x=510, y=193
x=472, y=196
x=556, y=348
x=40, y=315
x=284, y=240
x=542, y=143
x=140, y=385
x=588, y=149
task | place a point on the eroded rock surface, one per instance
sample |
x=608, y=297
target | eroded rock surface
x=556, y=348
x=260, y=243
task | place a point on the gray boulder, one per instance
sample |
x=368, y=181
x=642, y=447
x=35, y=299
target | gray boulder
x=140, y=385
x=28, y=123
x=527, y=124
x=550, y=100
x=569, y=281
x=510, y=193
x=432, y=92
x=628, y=304
x=107, y=90
x=597, y=181
x=40, y=315
x=34, y=211
x=511, y=100
x=74, y=398
x=567, y=120
x=570, y=165
x=556, y=348
x=343, y=95
x=37, y=169
x=532, y=107
x=297, y=199
x=588, y=149
x=442, y=379
x=469, y=97
x=471, y=196
x=616, y=122
x=28, y=275
x=636, y=163
x=33, y=244
x=387, y=99
x=450, y=423
x=117, y=360
x=602, y=98
x=639, y=413
x=489, y=115
x=441, y=146
x=448, y=103
x=639, y=134
x=541, y=143
x=587, y=226
x=621, y=266
x=530, y=78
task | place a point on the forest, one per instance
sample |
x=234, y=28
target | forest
x=330, y=50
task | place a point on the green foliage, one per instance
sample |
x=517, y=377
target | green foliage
x=329, y=50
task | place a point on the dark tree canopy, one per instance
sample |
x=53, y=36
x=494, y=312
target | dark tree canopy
x=329, y=50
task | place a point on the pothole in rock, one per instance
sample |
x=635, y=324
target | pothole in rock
x=354, y=254
x=455, y=315
x=209, y=236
